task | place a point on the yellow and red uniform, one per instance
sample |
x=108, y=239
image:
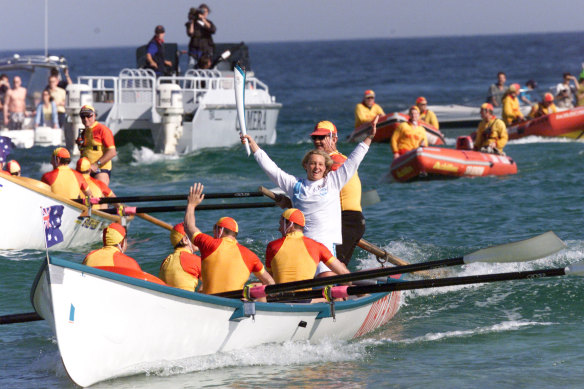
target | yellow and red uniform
x=97, y=139
x=226, y=265
x=110, y=256
x=538, y=110
x=295, y=257
x=430, y=117
x=65, y=181
x=493, y=130
x=364, y=114
x=407, y=137
x=351, y=192
x=511, y=111
x=181, y=269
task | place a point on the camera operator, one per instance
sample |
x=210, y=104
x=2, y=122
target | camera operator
x=200, y=29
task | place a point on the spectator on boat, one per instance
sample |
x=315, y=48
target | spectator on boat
x=13, y=168
x=496, y=91
x=205, y=62
x=317, y=195
x=97, y=144
x=367, y=109
x=491, y=136
x=59, y=96
x=225, y=264
x=409, y=135
x=4, y=87
x=112, y=253
x=295, y=257
x=545, y=107
x=565, y=92
x=98, y=188
x=46, y=112
x=182, y=268
x=200, y=30
x=62, y=83
x=155, y=56
x=511, y=112
x=580, y=91
x=525, y=95
x=427, y=115
x=15, y=105
x=63, y=180
x=325, y=137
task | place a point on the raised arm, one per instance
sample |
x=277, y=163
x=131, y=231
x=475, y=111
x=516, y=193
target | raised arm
x=195, y=198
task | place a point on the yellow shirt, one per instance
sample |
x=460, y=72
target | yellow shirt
x=511, y=111
x=539, y=110
x=581, y=95
x=181, y=269
x=364, y=114
x=430, y=118
x=490, y=131
x=351, y=192
x=408, y=137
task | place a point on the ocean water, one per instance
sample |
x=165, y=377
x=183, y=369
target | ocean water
x=506, y=335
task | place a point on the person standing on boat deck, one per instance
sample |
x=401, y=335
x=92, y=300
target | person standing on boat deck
x=62, y=83
x=426, y=115
x=317, y=195
x=367, y=109
x=325, y=137
x=200, y=30
x=295, y=257
x=565, y=92
x=15, y=105
x=46, y=112
x=112, y=252
x=496, y=91
x=4, y=87
x=225, y=264
x=98, y=188
x=545, y=107
x=491, y=136
x=59, y=96
x=182, y=268
x=97, y=144
x=63, y=180
x=409, y=135
x=155, y=56
x=13, y=168
x=511, y=112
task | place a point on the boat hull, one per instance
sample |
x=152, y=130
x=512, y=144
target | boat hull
x=109, y=325
x=567, y=124
x=386, y=126
x=435, y=162
x=21, y=200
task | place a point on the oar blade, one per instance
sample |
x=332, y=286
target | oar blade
x=369, y=198
x=525, y=250
x=575, y=269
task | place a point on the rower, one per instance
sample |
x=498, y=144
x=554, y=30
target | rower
x=112, y=252
x=225, y=264
x=62, y=179
x=13, y=168
x=409, y=135
x=97, y=187
x=182, y=268
x=294, y=256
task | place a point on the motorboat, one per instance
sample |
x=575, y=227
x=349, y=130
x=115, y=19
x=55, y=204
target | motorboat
x=566, y=124
x=34, y=70
x=455, y=115
x=179, y=114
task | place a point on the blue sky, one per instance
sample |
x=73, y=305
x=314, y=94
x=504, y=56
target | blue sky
x=107, y=23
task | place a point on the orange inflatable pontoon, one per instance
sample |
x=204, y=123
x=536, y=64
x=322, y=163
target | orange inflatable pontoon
x=568, y=124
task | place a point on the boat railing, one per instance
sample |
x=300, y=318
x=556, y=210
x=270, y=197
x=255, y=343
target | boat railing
x=136, y=86
x=104, y=88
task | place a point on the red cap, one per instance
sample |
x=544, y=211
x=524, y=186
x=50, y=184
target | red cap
x=61, y=152
x=548, y=97
x=368, y=93
x=414, y=107
x=487, y=106
x=229, y=223
x=83, y=165
x=324, y=128
x=177, y=233
x=12, y=167
x=113, y=234
x=294, y=215
x=421, y=100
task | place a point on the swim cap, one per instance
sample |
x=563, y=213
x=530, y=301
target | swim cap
x=61, y=152
x=421, y=100
x=12, y=167
x=294, y=215
x=113, y=234
x=178, y=232
x=83, y=165
x=229, y=223
x=324, y=128
x=548, y=97
x=487, y=106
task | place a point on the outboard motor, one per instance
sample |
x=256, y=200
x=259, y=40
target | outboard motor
x=78, y=95
x=464, y=143
x=169, y=106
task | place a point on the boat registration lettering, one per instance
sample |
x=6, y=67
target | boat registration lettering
x=90, y=223
x=255, y=120
x=447, y=167
x=474, y=170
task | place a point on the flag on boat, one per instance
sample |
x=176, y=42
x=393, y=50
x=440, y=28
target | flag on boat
x=5, y=147
x=52, y=221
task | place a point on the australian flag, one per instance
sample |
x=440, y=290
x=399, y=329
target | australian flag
x=52, y=221
x=5, y=147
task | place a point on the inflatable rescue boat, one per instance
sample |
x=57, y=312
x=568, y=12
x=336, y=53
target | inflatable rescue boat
x=388, y=123
x=567, y=124
x=437, y=162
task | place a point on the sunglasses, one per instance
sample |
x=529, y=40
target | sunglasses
x=318, y=137
x=85, y=115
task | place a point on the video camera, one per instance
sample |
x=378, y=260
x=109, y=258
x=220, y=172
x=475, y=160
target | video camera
x=195, y=13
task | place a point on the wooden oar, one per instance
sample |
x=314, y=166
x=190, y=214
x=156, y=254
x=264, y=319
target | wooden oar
x=20, y=318
x=525, y=250
x=576, y=269
x=136, y=199
x=203, y=207
x=154, y=220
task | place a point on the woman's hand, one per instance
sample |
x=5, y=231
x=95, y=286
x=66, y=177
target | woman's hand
x=252, y=144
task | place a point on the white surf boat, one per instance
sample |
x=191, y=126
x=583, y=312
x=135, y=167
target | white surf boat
x=22, y=201
x=34, y=71
x=111, y=325
x=182, y=114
